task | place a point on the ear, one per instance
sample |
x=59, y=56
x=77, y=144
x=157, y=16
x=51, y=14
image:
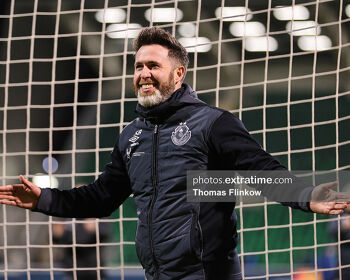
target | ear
x=179, y=73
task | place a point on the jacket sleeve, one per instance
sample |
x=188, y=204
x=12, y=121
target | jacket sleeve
x=233, y=148
x=98, y=199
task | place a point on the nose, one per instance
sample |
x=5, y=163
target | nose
x=145, y=73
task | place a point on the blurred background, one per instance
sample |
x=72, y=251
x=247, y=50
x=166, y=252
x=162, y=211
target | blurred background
x=66, y=92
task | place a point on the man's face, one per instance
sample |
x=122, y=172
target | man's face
x=154, y=75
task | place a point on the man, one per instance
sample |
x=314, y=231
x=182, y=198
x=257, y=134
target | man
x=175, y=132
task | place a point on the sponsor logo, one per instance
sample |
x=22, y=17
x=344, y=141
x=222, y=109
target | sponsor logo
x=133, y=144
x=135, y=137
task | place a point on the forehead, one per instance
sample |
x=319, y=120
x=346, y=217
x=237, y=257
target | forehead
x=152, y=53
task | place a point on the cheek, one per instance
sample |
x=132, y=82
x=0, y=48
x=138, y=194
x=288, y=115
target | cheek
x=136, y=78
x=135, y=84
x=161, y=78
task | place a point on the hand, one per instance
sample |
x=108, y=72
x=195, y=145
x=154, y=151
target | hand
x=326, y=201
x=58, y=230
x=90, y=225
x=25, y=195
x=345, y=224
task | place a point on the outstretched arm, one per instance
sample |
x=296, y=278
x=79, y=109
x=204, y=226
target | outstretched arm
x=98, y=199
x=324, y=200
x=233, y=148
x=25, y=195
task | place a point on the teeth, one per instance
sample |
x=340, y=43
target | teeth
x=147, y=86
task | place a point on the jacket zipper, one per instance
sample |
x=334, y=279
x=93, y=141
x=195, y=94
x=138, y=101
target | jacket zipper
x=154, y=196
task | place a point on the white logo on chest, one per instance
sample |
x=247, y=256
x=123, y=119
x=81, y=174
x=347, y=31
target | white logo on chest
x=133, y=140
x=181, y=134
x=135, y=137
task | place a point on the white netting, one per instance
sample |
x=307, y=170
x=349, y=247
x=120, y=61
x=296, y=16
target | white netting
x=66, y=91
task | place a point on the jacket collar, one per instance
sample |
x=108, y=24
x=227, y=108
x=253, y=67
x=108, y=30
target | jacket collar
x=182, y=97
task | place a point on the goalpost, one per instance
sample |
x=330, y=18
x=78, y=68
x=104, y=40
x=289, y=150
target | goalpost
x=66, y=70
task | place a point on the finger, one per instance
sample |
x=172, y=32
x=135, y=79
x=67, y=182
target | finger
x=340, y=206
x=8, y=202
x=6, y=188
x=7, y=196
x=336, y=212
x=26, y=182
x=6, y=193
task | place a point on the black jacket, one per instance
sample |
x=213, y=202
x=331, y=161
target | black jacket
x=150, y=160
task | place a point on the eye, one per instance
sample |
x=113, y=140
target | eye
x=138, y=67
x=154, y=66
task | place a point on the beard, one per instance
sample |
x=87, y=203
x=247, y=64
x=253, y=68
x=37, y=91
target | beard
x=161, y=94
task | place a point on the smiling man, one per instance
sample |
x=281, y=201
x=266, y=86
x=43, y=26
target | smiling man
x=175, y=132
x=159, y=71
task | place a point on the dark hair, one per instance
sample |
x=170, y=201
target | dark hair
x=158, y=36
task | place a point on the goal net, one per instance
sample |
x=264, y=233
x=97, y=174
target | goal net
x=66, y=70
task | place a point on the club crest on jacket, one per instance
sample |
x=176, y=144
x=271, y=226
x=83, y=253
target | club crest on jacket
x=181, y=134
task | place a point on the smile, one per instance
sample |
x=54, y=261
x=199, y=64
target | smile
x=147, y=86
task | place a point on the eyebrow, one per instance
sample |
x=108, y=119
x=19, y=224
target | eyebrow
x=147, y=62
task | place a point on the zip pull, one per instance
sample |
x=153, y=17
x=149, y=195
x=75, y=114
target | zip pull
x=156, y=129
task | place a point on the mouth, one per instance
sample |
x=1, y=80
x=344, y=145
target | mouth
x=146, y=89
x=146, y=86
